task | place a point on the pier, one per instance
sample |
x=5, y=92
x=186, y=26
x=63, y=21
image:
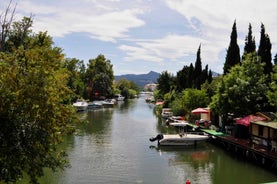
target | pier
x=243, y=149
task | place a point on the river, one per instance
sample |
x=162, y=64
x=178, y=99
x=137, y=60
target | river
x=113, y=146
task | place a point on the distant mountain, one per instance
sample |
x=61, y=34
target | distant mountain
x=140, y=79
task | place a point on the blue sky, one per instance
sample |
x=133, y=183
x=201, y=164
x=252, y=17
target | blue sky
x=138, y=36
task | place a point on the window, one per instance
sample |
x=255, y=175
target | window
x=261, y=130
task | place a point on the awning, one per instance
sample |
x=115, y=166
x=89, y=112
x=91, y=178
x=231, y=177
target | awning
x=199, y=111
x=159, y=103
x=250, y=118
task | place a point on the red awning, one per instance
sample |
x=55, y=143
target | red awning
x=250, y=118
x=159, y=103
x=199, y=111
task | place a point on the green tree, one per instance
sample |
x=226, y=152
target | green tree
x=128, y=89
x=99, y=77
x=272, y=93
x=194, y=98
x=264, y=51
x=233, y=53
x=242, y=91
x=76, y=71
x=197, y=74
x=250, y=45
x=165, y=82
x=33, y=115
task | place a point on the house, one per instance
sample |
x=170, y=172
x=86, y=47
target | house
x=264, y=133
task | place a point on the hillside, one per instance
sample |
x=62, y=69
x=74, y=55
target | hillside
x=140, y=79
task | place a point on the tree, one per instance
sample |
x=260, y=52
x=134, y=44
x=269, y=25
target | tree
x=165, y=82
x=233, y=53
x=242, y=91
x=272, y=93
x=33, y=113
x=250, y=45
x=198, y=69
x=99, y=77
x=6, y=20
x=193, y=98
x=264, y=51
x=76, y=71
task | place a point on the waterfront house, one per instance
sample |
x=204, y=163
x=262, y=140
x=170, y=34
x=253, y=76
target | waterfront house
x=242, y=125
x=264, y=133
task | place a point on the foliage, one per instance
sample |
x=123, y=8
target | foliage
x=250, y=45
x=242, y=91
x=76, y=72
x=188, y=100
x=126, y=88
x=264, y=51
x=193, y=77
x=99, y=77
x=210, y=87
x=165, y=82
x=272, y=93
x=233, y=53
x=33, y=115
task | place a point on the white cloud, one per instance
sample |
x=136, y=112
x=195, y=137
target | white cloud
x=209, y=22
x=102, y=20
x=170, y=48
x=216, y=18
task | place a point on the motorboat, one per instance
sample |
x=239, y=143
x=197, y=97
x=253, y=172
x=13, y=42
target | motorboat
x=109, y=103
x=95, y=105
x=166, y=113
x=181, y=139
x=80, y=105
x=119, y=97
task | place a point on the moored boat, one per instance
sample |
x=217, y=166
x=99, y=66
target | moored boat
x=119, y=97
x=181, y=139
x=95, y=105
x=80, y=105
x=108, y=103
x=166, y=113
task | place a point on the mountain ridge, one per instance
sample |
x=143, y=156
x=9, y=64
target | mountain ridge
x=140, y=79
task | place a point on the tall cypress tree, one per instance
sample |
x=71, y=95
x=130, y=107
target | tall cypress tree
x=264, y=51
x=250, y=45
x=233, y=55
x=198, y=69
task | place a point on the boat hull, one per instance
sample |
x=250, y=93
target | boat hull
x=182, y=140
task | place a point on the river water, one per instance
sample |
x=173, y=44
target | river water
x=113, y=147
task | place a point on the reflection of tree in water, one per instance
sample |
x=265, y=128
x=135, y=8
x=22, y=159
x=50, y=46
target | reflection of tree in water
x=124, y=106
x=192, y=163
x=97, y=122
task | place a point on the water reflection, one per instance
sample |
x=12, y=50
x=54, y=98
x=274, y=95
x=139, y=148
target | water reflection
x=112, y=146
x=191, y=163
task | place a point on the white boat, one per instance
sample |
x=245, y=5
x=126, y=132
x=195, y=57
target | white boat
x=95, y=105
x=80, y=105
x=181, y=139
x=166, y=113
x=108, y=102
x=119, y=97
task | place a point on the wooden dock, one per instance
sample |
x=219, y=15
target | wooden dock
x=244, y=149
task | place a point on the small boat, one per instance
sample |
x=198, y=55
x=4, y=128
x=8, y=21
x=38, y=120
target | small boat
x=109, y=103
x=119, y=97
x=166, y=113
x=80, y=105
x=181, y=139
x=95, y=105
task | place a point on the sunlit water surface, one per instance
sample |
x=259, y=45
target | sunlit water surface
x=113, y=147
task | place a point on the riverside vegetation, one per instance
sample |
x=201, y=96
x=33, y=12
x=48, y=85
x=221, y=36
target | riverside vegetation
x=38, y=85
